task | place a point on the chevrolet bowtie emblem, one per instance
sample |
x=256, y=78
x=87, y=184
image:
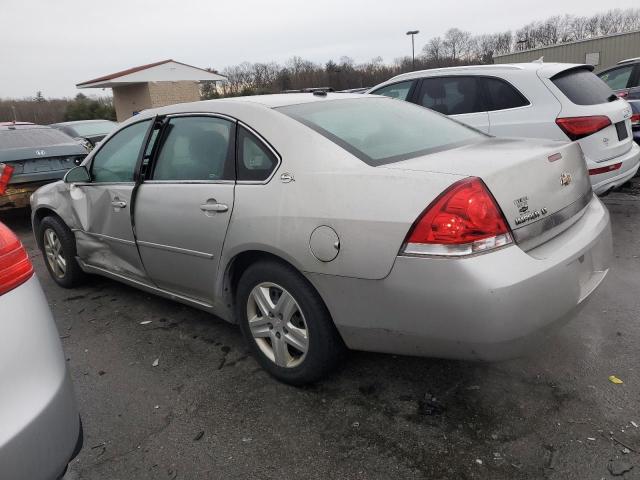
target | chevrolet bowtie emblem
x=565, y=179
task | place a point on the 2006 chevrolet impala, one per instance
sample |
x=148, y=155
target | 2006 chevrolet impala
x=319, y=221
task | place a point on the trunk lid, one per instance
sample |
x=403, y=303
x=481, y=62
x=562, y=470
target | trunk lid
x=539, y=185
x=583, y=94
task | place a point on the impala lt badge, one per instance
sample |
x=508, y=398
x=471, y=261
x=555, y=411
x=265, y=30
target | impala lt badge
x=565, y=179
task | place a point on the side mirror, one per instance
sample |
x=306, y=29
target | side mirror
x=78, y=174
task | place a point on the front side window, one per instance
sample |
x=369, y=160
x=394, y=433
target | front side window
x=451, y=95
x=502, y=95
x=396, y=90
x=255, y=160
x=116, y=160
x=380, y=130
x=617, y=78
x=195, y=148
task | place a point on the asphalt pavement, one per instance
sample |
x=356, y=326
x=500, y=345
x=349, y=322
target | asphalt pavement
x=169, y=392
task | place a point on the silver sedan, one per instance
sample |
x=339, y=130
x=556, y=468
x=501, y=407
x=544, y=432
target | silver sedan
x=320, y=221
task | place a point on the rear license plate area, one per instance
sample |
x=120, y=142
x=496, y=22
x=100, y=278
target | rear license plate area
x=621, y=128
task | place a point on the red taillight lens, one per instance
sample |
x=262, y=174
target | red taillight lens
x=579, y=127
x=635, y=120
x=608, y=168
x=5, y=175
x=15, y=266
x=623, y=93
x=464, y=219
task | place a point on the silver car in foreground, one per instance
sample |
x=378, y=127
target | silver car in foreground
x=40, y=430
x=318, y=221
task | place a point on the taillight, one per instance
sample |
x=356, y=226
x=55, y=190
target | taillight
x=579, y=127
x=635, y=120
x=623, y=93
x=5, y=175
x=15, y=266
x=464, y=219
x=608, y=168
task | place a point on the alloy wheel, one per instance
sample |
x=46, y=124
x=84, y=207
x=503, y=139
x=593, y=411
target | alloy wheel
x=277, y=324
x=54, y=253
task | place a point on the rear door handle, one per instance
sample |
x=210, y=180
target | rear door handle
x=118, y=203
x=214, y=207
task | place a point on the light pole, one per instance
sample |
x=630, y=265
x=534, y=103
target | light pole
x=413, y=49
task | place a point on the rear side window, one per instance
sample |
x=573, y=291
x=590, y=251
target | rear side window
x=618, y=78
x=502, y=95
x=195, y=148
x=255, y=160
x=397, y=90
x=451, y=95
x=380, y=130
x=582, y=87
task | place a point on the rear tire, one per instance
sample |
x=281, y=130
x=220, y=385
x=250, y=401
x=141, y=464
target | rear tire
x=286, y=324
x=58, y=246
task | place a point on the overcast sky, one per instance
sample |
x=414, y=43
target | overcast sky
x=51, y=45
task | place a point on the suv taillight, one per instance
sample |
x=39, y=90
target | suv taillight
x=635, y=120
x=579, y=127
x=463, y=220
x=5, y=175
x=15, y=266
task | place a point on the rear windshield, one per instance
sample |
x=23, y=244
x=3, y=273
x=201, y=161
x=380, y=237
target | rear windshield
x=382, y=130
x=92, y=128
x=32, y=137
x=582, y=87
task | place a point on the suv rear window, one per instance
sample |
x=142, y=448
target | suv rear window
x=582, y=87
x=32, y=137
x=382, y=130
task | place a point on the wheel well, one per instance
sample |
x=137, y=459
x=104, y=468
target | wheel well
x=38, y=216
x=241, y=262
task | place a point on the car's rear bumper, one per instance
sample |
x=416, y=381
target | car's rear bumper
x=39, y=423
x=605, y=182
x=486, y=307
x=18, y=194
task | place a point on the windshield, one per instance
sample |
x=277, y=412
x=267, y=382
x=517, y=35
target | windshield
x=90, y=129
x=32, y=137
x=382, y=130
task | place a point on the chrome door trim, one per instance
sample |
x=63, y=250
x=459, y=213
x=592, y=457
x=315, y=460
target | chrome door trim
x=188, y=182
x=547, y=223
x=102, y=236
x=170, y=248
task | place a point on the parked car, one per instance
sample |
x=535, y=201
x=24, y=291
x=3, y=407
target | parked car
x=557, y=101
x=40, y=430
x=355, y=90
x=90, y=132
x=31, y=156
x=321, y=220
x=635, y=119
x=624, y=78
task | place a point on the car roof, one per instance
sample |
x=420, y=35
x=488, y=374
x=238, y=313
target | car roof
x=629, y=60
x=21, y=126
x=78, y=122
x=545, y=69
x=254, y=102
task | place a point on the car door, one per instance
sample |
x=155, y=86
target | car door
x=106, y=239
x=184, y=204
x=456, y=96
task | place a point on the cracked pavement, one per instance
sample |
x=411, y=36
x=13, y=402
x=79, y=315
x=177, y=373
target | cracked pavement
x=207, y=411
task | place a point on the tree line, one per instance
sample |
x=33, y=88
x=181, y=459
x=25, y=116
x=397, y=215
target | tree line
x=455, y=47
x=44, y=111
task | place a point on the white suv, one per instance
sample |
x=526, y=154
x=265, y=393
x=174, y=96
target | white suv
x=557, y=101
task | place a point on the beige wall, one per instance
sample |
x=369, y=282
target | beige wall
x=610, y=50
x=135, y=98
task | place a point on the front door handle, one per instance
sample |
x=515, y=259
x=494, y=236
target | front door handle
x=118, y=204
x=214, y=207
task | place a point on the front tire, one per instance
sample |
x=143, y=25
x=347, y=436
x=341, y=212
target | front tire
x=58, y=247
x=286, y=324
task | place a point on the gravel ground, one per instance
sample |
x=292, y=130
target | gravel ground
x=208, y=411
